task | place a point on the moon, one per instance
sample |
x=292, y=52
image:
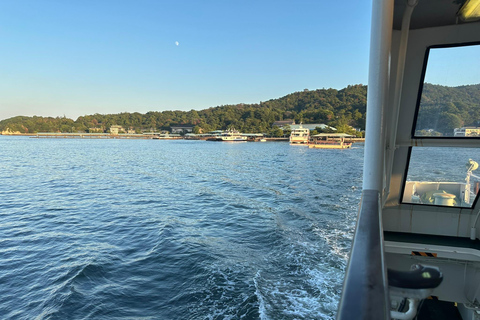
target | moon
x=177, y=43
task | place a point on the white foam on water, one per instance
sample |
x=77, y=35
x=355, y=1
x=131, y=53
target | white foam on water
x=307, y=291
x=261, y=300
x=288, y=303
x=302, y=306
x=337, y=240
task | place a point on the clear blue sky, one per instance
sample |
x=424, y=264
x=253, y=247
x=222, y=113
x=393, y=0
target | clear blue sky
x=454, y=66
x=73, y=58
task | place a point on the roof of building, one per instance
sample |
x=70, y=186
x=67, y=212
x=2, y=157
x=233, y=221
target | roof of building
x=311, y=126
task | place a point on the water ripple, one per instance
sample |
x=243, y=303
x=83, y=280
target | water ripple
x=173, y=229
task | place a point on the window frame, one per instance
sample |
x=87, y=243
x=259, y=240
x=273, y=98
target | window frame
x=404, y=184
x=420, y=90
x=414, y=127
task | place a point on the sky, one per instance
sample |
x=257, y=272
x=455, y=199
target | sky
x=73, y=58
x=453, y=66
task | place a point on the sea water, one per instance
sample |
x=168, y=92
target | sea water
x=150, y=229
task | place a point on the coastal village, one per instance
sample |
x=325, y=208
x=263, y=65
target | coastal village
x=320, y=111
x=296, y=134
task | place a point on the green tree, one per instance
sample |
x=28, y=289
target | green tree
x=448, y=122
x=287, y=130
x=197, y=130
x=276, y=132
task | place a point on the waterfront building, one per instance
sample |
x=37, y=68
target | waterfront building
x=115, y=129
x=186, y=128
x=466, y=132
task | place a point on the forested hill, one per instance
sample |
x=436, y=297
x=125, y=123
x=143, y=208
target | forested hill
x=337, y=108
x=443, y=109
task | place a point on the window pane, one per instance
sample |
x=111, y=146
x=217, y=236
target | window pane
x=450, y=100
x=442, y=176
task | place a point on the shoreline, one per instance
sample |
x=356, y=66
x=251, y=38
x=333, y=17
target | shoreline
x=47, y=135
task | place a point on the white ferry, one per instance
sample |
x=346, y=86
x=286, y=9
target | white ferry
x=300, y=135
x=416, y=249
x=231, y=135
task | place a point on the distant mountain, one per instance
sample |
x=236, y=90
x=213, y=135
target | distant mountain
x=442, y=107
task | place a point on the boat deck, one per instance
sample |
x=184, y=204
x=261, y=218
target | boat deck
x=432, y=240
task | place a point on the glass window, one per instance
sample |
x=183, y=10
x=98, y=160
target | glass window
x=442, y=176
x=450, y=100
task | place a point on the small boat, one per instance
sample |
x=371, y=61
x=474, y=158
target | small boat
x=330, y=141
x=300, y=135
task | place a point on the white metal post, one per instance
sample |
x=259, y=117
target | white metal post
x=378, y=83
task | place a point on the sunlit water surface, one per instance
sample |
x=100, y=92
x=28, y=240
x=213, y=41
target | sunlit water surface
x=148, y=229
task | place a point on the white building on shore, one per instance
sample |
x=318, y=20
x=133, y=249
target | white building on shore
x=466, y=132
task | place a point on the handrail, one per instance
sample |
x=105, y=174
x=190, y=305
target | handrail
x=439, y=142
x=365, y=292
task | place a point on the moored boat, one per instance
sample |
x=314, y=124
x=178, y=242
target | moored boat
x=300, y=135
x=330, y=141
x=231, y=135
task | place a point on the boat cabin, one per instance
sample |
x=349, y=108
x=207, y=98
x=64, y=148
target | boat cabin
x=330, y=141
x=300, y=135
x=417, y=234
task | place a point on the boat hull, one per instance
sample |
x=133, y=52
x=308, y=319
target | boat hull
x=299, y=141
x=228, y=139
x=330, y=146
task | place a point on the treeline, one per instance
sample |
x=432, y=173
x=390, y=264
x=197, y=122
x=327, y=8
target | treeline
x=34, y=124
x=341, y=109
